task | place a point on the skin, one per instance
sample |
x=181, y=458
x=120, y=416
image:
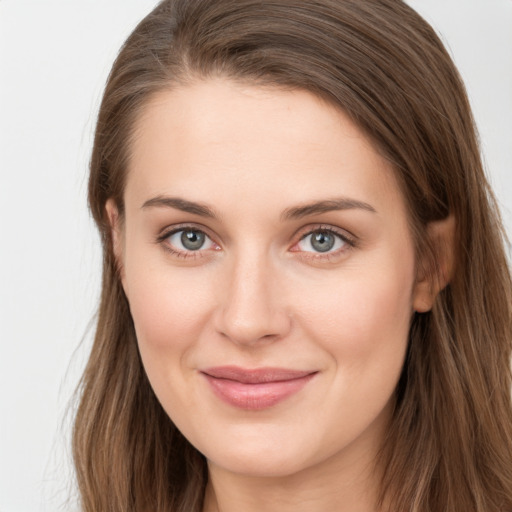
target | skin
x=258, y=294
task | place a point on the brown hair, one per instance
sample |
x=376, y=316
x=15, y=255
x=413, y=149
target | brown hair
x=449, y=446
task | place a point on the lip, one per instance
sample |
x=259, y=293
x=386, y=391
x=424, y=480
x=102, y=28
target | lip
x=255, y=389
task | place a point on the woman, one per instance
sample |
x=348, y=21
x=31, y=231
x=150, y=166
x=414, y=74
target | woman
x=306, y=301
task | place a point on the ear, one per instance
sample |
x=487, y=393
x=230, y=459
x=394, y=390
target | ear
x=114, y=221
x=436, y=272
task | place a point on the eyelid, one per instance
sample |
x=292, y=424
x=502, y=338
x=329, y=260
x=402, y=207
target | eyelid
x=171, y=230
x=305, y=231
x=347, y=237
x=313, y=228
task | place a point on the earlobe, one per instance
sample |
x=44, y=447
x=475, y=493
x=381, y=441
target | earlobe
x=114, y=221
x=437, y=271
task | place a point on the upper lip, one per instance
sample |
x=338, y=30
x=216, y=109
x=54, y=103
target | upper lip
x=255, y=375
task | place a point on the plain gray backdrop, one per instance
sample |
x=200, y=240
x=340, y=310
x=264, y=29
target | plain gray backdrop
x=54, y=59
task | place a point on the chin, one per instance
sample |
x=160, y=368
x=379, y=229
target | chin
x=260, y=455
x=260, y=464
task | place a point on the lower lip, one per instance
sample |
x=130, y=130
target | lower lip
x=255, y=397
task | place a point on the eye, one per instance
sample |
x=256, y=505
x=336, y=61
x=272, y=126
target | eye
x=190, y=240
x=185, y=241
x=323, y=241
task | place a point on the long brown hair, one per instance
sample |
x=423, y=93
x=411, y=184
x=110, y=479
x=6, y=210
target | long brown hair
x=449, y=445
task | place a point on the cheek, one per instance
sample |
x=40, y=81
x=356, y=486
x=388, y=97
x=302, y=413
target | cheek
x=363, y=326
x=166, y=305
x=361, y=315
x=167, y=308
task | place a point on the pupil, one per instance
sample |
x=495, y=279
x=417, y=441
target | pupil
x=192, y=240
x=322, y=242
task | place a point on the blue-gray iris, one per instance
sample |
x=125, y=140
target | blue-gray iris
x=192, y=240
x=322, y=241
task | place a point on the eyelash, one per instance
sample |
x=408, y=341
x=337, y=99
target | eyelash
x=345, y=237
x=161, y=239
x=348, y=240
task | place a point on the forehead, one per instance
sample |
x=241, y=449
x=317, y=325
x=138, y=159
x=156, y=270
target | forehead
x=223, y=140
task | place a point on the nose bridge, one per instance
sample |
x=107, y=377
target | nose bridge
x=252, y=309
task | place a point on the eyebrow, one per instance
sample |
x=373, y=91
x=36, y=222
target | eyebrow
x=180, y=204
x=297, y=212
x=330, y=205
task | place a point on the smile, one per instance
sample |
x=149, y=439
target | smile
x=255, y=389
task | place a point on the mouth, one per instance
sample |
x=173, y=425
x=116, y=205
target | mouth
x=255, y=389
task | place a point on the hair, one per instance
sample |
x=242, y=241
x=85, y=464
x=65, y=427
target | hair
x=449, y=442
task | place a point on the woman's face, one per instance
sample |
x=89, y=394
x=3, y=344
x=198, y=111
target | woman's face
x=270, y=272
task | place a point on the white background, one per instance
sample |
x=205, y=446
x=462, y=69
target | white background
x=54, y=59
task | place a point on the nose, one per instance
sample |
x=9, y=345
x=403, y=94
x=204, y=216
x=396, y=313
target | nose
x=252, y=308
